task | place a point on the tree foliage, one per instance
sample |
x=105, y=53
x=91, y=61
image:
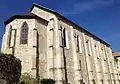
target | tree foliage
x=27, y=78
x=47, y=81
x=10, y=68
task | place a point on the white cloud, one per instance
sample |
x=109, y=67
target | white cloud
x=81, y=7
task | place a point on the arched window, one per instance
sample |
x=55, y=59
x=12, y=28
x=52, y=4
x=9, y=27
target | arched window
x=24, y=33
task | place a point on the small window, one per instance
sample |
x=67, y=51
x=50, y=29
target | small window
x=64, y=37
x=60, y=37
x=24, y=34
x=102, y=82
x=81, y=81
x=10, y=32
x=119, y=81
x=94, y=81
x=114, y=81
x=77, y=44
x=87, y=47
x=80, y=65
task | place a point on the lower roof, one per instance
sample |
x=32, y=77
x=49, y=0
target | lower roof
x=116, y=54
x=22, y=16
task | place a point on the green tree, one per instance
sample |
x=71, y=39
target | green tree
x=10, y=68
x=27, y=78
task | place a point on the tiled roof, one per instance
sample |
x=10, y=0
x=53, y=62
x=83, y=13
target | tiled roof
x=116, y=54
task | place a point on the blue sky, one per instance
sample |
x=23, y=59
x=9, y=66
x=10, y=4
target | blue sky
x=101, y=17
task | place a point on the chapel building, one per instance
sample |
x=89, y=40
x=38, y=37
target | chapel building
x=51, y=46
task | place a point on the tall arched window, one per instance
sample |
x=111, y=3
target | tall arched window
x=24, y=33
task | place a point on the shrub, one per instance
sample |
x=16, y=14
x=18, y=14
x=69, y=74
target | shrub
x=27, y=78
x=47, y=81
x=10, y=68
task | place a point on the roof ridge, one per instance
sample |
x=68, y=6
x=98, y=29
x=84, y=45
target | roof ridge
x=28, y=15
x=43, y=7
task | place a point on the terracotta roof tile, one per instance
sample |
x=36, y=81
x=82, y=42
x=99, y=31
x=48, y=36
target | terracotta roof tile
x=116, y=54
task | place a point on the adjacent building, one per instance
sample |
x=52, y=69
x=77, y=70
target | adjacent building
x=116, y=56
x=51, y=46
